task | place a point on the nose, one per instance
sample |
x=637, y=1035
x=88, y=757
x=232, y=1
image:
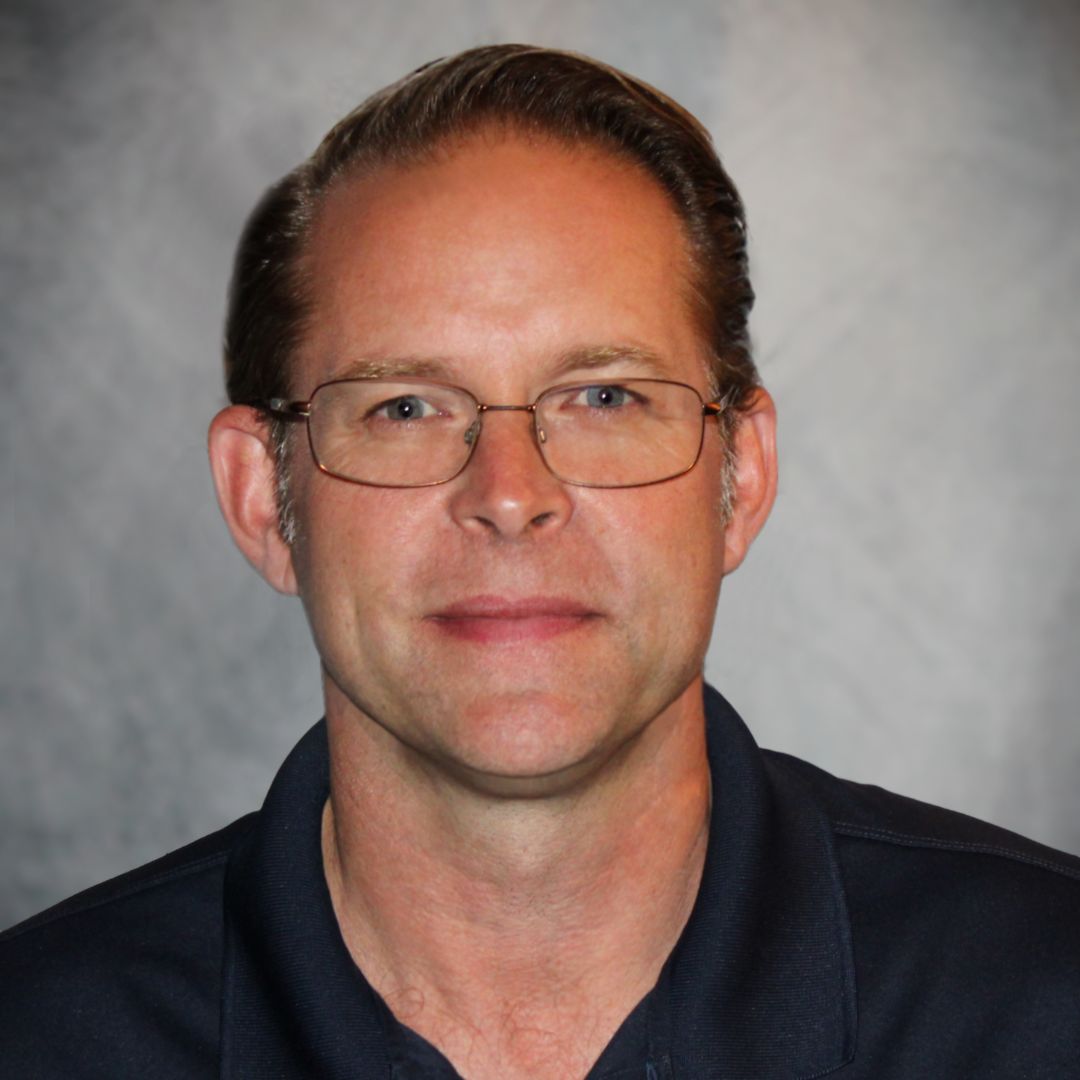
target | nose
x=506, y=490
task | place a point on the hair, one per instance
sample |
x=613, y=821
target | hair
x=517, y=88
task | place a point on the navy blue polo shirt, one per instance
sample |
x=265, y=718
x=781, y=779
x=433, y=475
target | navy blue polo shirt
x=838, y=929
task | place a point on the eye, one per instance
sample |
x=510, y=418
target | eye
x=605, y=397
x=608, y=396
x=409, y=407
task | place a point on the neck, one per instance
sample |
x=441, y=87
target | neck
x=516, y=934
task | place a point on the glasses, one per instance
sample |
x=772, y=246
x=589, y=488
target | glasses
x=406, y=432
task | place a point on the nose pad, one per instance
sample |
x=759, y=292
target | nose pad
x=509, y=491
x=472, y=433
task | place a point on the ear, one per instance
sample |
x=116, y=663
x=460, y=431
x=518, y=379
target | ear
x=242, y=463
x=755, y=476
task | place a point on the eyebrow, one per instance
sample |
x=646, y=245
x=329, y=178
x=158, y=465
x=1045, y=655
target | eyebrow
x=599, y=356
x=583, y=358
x=390, y=367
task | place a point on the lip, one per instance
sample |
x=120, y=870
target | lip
x=494, y=619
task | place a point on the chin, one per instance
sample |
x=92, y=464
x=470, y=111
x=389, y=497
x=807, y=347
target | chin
x=535, y=744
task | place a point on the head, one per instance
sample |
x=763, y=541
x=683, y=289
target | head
x=536, y=91
x=504, y=222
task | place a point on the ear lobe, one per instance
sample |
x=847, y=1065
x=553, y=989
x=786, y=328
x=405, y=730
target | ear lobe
x=242, y=464
x=755, y=477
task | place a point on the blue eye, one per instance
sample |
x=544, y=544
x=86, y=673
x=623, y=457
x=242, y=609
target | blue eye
x=606, y=397
x=404, y=408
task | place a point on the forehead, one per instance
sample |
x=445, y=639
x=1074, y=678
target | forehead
x=499, y=247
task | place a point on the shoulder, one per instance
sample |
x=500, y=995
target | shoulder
x=876, y=817
x=170, y=878
x=111, y=969
x=967, y=932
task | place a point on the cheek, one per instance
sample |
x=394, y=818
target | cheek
x=667, y=546
x=357, y=548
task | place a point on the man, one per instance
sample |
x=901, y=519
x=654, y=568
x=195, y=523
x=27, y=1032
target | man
x=496, y=423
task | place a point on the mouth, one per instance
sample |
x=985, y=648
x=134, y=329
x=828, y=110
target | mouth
x=497, y=619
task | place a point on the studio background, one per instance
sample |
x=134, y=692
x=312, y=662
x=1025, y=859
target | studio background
x=911, y=615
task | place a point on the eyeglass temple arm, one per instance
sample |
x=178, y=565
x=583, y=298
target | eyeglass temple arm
x=721, y=404
x=285, y=409
x=715, y=408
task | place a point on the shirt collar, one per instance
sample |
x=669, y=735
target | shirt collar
x=760, y=985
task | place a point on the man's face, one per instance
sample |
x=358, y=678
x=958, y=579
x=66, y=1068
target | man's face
x=512, y=629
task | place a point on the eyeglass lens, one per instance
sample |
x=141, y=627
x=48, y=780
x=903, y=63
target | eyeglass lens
x=406, y=433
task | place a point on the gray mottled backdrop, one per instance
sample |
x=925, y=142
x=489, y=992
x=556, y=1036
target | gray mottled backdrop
x=912, y=170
